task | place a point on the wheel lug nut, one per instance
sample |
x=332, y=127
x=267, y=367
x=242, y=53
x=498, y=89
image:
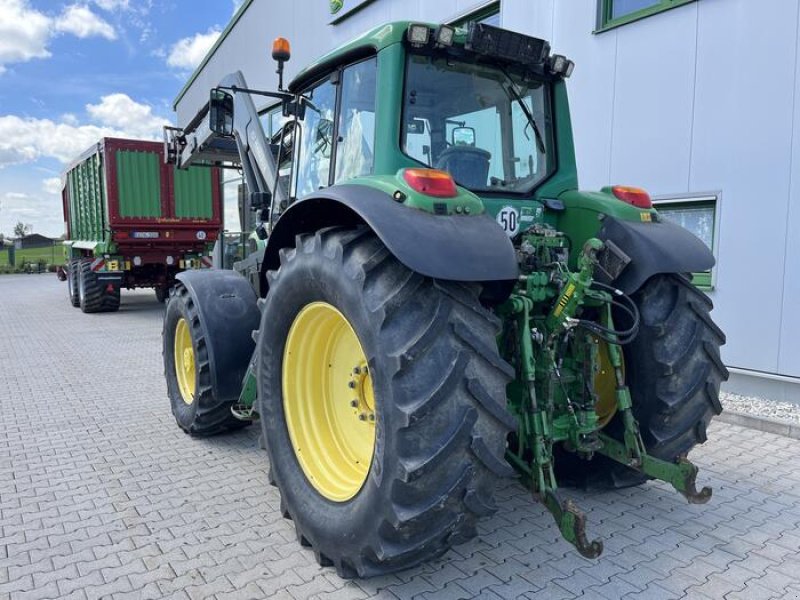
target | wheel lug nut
x=362, y=417
x=351, y=384
x=357, y=370
x=372, y=417
x=353, y=403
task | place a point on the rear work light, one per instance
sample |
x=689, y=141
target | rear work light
x=431, y=182
x=632, y=195
x=418, y=35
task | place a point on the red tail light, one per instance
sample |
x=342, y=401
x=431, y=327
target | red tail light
x=632, y=195
x=121, y=235
x=431, y=182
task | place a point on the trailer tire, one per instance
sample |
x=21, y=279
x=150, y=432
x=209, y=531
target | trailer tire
x=197, y=411
x=72, y=282
x=431, y=378
x=93, y=295
x=674, y=370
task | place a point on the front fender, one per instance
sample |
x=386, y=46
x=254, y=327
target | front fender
x=450, y=247
x=657, y=247
x=228, y=309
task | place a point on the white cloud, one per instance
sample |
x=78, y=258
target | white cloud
x=189, y=52
x=24, y=33
x=42, y=212
x=121, y=112
x=52, y=185
x=116, y=115
x=111, y=5
x=80, y=21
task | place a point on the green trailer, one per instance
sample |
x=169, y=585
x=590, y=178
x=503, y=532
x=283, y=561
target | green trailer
x=132, y=222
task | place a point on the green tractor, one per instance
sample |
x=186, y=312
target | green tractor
x=430, y=304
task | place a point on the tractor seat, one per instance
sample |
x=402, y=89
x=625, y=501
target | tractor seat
x=468, y=165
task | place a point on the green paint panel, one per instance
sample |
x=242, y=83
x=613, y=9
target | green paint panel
x=193, y=194
x=138, y=184
x=86, y=191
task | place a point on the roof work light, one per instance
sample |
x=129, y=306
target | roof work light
x=418, y=34
x=561, y=65
x=444, y=35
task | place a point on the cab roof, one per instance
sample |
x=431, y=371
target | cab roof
x=368, y=43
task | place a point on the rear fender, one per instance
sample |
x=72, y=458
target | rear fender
x=657, y=247
x=449, y=247
x=228, y=309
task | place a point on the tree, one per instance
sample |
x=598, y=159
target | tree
x=22, y=229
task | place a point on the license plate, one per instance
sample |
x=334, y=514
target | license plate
x=145, y=235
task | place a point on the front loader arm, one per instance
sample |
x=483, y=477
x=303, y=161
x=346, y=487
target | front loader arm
x=246, y=148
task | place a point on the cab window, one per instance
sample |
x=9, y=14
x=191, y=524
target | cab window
x=356, y=133
x=316, y=140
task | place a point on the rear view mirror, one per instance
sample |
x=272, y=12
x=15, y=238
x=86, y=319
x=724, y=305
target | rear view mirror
x=220, y=112
x=463, y=136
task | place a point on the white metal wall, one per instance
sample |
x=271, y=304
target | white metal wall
x=701, y=98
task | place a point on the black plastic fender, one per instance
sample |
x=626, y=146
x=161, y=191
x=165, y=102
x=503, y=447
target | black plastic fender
x=228, y=309
x=657, y=247
x=455, y=248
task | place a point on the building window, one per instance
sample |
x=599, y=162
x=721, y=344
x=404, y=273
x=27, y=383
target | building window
x=613, y=13
x=489, y=14
x=699, y=215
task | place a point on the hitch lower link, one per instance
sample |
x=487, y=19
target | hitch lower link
x=536, y=433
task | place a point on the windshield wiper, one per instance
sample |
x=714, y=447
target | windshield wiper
x=513, y=95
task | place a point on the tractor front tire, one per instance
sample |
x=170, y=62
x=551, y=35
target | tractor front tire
x=72, y=282
x=93, y=295
x=382, y=401
x=188, y=370
x=674, y=371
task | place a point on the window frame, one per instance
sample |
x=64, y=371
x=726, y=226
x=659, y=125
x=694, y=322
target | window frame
x=336, y=77
x=606, y=22
x=338, y=115
x=477, y=15
x=551, y=135
x=704, y=280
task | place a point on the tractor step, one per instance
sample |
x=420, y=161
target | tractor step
x=244, y=412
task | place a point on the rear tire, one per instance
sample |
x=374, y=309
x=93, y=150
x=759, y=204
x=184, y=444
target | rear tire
x=72, y=282
x=93, y=295
x=162, y=293
x=439, y=397
x=674, y=371
x=204, y=414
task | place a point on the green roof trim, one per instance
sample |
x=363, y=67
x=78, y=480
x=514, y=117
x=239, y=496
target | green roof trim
x=375, y=39
x=210, y=53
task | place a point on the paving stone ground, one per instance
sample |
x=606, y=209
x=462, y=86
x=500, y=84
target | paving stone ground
x=102, y=496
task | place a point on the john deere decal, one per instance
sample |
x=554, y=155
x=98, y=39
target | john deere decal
x=336, y=6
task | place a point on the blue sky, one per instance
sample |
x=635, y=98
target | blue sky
x=72, y=71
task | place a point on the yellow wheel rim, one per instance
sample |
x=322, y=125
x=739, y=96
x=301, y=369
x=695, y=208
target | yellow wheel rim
x=328, y=401
x=605, y=385
x=184, y=361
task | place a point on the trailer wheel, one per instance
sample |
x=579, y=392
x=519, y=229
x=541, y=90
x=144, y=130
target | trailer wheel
x=72, y=282
x=188, y=369
x=674, y=371
x=382, y=397
x=93, y=295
